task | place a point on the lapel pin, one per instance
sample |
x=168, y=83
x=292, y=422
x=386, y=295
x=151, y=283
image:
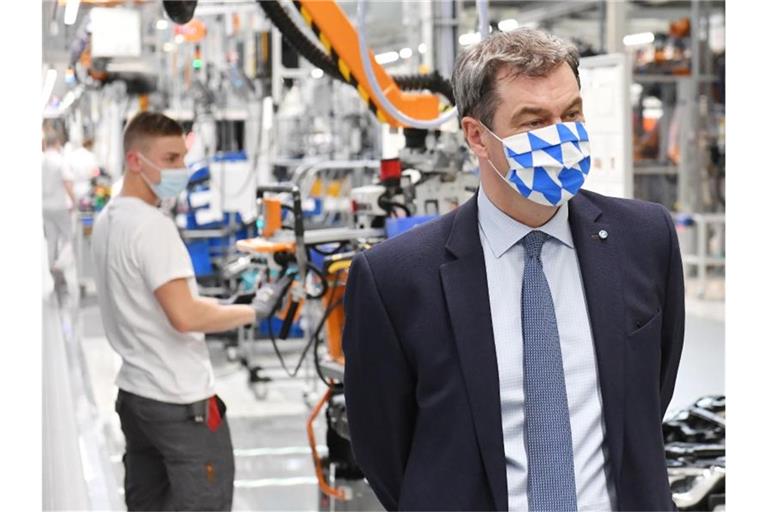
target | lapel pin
x=602, y=234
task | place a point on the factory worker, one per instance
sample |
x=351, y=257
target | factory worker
x=58, y=203
x=178, y=452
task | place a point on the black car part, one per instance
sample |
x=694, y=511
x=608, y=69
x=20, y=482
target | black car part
x=695, y=449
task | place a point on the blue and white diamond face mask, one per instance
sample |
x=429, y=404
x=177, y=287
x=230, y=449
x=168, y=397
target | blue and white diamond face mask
x=547, y=165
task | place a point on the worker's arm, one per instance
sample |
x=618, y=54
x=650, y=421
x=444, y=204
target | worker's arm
x=68, y=178
x=188, y=313
x=673, y=320
x=69, y=187
x=379, y=386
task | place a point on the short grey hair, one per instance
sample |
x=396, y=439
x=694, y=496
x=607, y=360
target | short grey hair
x=523, y=51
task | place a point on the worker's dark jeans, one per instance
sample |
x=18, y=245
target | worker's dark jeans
x=171, y=461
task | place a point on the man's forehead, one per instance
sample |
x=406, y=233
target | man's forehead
x=545, y=91
x=168, y=144
x=512, y=74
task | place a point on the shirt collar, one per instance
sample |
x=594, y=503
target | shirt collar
x=502, y=231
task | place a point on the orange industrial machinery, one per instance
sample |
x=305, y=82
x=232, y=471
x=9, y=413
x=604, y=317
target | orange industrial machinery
x=340, y=42
x=331, y=25
x=273, y=243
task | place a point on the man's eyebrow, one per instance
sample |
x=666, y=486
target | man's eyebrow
x=529, y=111
x=577, y=102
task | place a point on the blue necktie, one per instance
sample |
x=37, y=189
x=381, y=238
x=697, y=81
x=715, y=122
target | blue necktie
x=551, y=480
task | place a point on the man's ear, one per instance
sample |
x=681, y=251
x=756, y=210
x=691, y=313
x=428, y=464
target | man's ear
x=132, y=162
x=474, y=133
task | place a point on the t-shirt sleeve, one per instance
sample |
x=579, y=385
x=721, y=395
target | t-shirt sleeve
x=161, y=254
x=66, y=170
x=93, y=166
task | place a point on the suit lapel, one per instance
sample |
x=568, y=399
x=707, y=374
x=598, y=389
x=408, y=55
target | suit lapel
x=601, y=274
x=466, y=293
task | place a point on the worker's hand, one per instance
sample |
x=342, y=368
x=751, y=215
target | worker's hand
x=269, y=296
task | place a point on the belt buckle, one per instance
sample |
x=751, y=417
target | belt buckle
x=199, y=411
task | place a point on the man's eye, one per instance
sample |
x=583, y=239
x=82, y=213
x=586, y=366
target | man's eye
x=534, y=123
x=573, y=114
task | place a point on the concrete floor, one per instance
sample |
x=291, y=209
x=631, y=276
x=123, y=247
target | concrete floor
x=273, y=465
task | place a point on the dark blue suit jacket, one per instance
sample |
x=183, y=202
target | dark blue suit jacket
x=421, y=379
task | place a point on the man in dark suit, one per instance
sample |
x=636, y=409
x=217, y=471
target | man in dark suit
x=520, y=352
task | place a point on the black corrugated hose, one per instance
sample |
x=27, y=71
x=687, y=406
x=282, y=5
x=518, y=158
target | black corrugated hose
x=433, y=82
x=297, y=39
x=301, y=43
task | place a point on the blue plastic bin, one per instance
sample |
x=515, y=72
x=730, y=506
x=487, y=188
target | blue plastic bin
x=395, y=227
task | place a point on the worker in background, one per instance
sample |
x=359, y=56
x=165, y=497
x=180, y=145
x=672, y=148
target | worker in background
x=58, y=203
x=520, y=352
x=178, y=447
x=84, y=168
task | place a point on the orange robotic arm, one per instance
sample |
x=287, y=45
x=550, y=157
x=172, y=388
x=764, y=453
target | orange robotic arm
x=331, y=25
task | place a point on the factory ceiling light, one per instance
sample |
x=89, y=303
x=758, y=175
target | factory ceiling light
x=50, y=81
x=469, y=38
x=70, y=12
x=387, y=57
x=508, y=24
x=638, y=39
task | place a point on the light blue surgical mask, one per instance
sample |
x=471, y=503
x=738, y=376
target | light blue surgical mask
x=547, y=165
x=172, y=181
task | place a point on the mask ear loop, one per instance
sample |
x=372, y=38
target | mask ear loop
x=498, y=173
x=160, y=169
x=149, y=162
x=144, y=177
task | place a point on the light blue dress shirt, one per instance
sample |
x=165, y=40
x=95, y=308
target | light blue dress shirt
x=499, y=235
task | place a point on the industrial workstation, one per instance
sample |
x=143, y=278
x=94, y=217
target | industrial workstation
x=368, y=255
